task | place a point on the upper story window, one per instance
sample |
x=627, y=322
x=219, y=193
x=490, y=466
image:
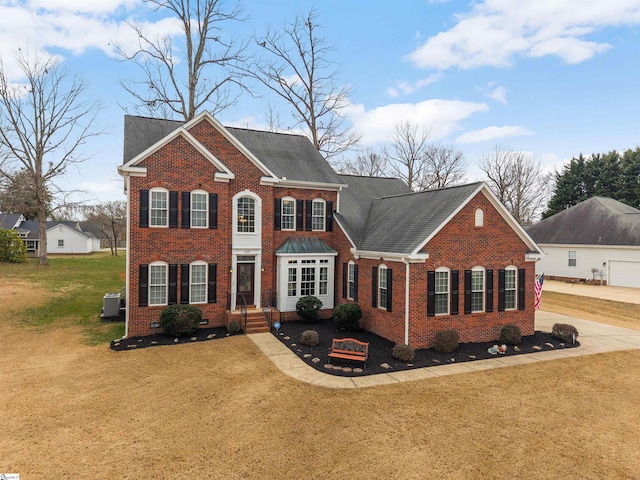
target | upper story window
x=382, y=287
x=158, y=283
x=318, y=214
x=477, y=290
x=351, y=289
x=479, y=217
x=199, y=209
x=573, y=258
x=510, y=287
x=442, y=291
x=288, y=214
x=198, y=282
x=246, y=215
x=159, y=207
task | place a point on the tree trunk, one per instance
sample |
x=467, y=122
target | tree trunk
x=43, y=260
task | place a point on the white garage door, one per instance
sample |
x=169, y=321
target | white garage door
x=624, y=274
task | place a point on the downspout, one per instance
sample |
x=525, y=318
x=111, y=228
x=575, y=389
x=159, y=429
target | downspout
x=406, y=302
x=127, y=181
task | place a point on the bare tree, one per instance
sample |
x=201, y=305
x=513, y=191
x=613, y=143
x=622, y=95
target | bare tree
x=444, y=166
x=200, y=69
x=44, y=122
x=368, y=163
x=408, y=153
x=518, y=181
x=110, y=220
x=296, y=67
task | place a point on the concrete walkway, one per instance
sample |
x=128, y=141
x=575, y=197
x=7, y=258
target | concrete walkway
x=594, y=338
x=605, y=292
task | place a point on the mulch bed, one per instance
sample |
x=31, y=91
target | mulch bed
x=380, y=359
x=201, y=335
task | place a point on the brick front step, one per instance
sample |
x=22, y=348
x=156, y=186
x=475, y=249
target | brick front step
x=256, y=322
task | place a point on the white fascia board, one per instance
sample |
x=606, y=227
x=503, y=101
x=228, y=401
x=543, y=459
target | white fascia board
x=132, y=171
x=324, y=254
x=392, y=257
x=577, y=246
x=334, y=187
x=234, y=141
x=353, y=245
x=533, y=256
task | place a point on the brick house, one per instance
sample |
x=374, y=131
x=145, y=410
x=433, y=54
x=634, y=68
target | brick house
x=220, y=217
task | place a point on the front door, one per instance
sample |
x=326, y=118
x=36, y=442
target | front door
x=245, y=283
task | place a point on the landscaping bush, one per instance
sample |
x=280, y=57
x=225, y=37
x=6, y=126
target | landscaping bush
x=180, y=320
x=12, y=248
x=309, y=338
x=234, y=327
x=307, y=308
x=347, y=316
x=446, y=341
x=564, y=332
x=511, y=334
x=404, y=353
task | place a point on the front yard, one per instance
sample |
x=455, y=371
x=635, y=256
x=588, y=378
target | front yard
x=220, y=410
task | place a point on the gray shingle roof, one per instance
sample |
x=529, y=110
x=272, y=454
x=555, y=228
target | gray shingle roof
x=31, y=226
x=298, y=245
x=596, y=221
x=286, y=155
x=9, y=220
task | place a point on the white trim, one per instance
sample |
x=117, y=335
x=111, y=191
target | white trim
x=435, y=291
x=333, y=187
x=478, y=268
x=381, y=267
x=127, y=284
x=199, y=191
x=353, y=245
x=578, y=245
x=407, y=294
x=324, y=214
x=392, y=257
x=206, y=281
x=511, y=268
x=533, y=256
x=163, y=190
x=166, y=284
x=288, y=198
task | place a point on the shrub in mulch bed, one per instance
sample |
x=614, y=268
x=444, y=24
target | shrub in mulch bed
x=381, y=359
x=201, y=335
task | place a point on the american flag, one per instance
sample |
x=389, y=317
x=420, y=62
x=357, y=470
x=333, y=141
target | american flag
x=538, y=289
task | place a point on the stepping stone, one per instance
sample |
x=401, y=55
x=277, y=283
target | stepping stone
x=140, y=340
x=294, y=345
x=452, y=360
x=315, y=360
x=385, y=365
x=472, y=357
x=537, y=347
x=336, y=367
x=550, y=345
x=154, y=342
x=328, y=366
x=287, y=338
x=435, y=361
x=308, y=355
x=194, y=339
x=357, y=370
x=409, y=364
x=211, y=335
x=176, y=340
x=132, y=346
x=516, y=349
x=346, y=369
x=117, y=344
x=298, y=350
x=561, y=345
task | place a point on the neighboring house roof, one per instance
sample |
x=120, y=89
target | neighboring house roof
x=304, y=245
x=288, y=156
x=31, y=227
x=9, y=221
x=596, y=221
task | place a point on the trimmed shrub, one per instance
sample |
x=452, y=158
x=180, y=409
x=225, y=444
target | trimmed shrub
x=404, y=353
x=12, y=248
x=234, y=327
x=347, y=316
x=564, y=332
x=511, y=334
x=446, y=341
x=307, y=308
x=309, y=338
x=180, y=320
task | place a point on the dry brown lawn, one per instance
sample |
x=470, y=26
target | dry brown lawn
x=221, y=410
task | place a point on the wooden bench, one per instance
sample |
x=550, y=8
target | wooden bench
x=349, y=349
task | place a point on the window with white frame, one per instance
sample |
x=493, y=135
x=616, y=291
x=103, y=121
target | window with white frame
x=382, y=287
x=246, y=215
x=198, y=282
x=510, y=284
x=159, y=207
x=308, y=279
x=288, y=214
x=318, y=213
x=351, y=280
x=477, y=290
x=479, y=217
x=199, y=209
x=31, y=245
x=324, y=278
x=158, y=283
x=292, y=278
x=573, y=258
x=442, y=291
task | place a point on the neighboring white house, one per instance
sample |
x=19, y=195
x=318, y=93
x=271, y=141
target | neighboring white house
x=595, y=239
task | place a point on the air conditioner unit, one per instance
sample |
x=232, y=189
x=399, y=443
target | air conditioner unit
x=111, y=306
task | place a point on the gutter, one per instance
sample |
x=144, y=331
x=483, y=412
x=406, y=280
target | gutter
x=406, y=302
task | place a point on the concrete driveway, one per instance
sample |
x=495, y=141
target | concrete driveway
x=604, y=292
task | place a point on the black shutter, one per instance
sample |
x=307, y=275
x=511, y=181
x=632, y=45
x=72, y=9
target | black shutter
x=144, y=208
x=355, y=282
x=345, y=278
x=501, y=283
x=299, y=215
x=431, y=293
x=212, y=292
x=143, y=285
x=374, y=287
x=329, y=217
x=277, y=211
x=173, y=284
x=308, y=215
x=186, y=210
x=455, y=291
x=173, y=209
x=521, y=277
x=489, y=292
x=389, y=289
x=467, y=291
x=213, y=210
x=184, y=283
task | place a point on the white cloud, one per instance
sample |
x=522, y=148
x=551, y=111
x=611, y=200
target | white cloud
x=499, y=94
x=494, y=32
x=404, y=87
x=87, y=6
x=441, y=117
x=492, y=133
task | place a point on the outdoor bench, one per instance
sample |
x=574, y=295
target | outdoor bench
x=349, y=349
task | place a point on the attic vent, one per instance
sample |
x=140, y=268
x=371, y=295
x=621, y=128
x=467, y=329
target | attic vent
x=479, y=217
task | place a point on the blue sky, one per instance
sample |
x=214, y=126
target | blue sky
x=554, y=78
